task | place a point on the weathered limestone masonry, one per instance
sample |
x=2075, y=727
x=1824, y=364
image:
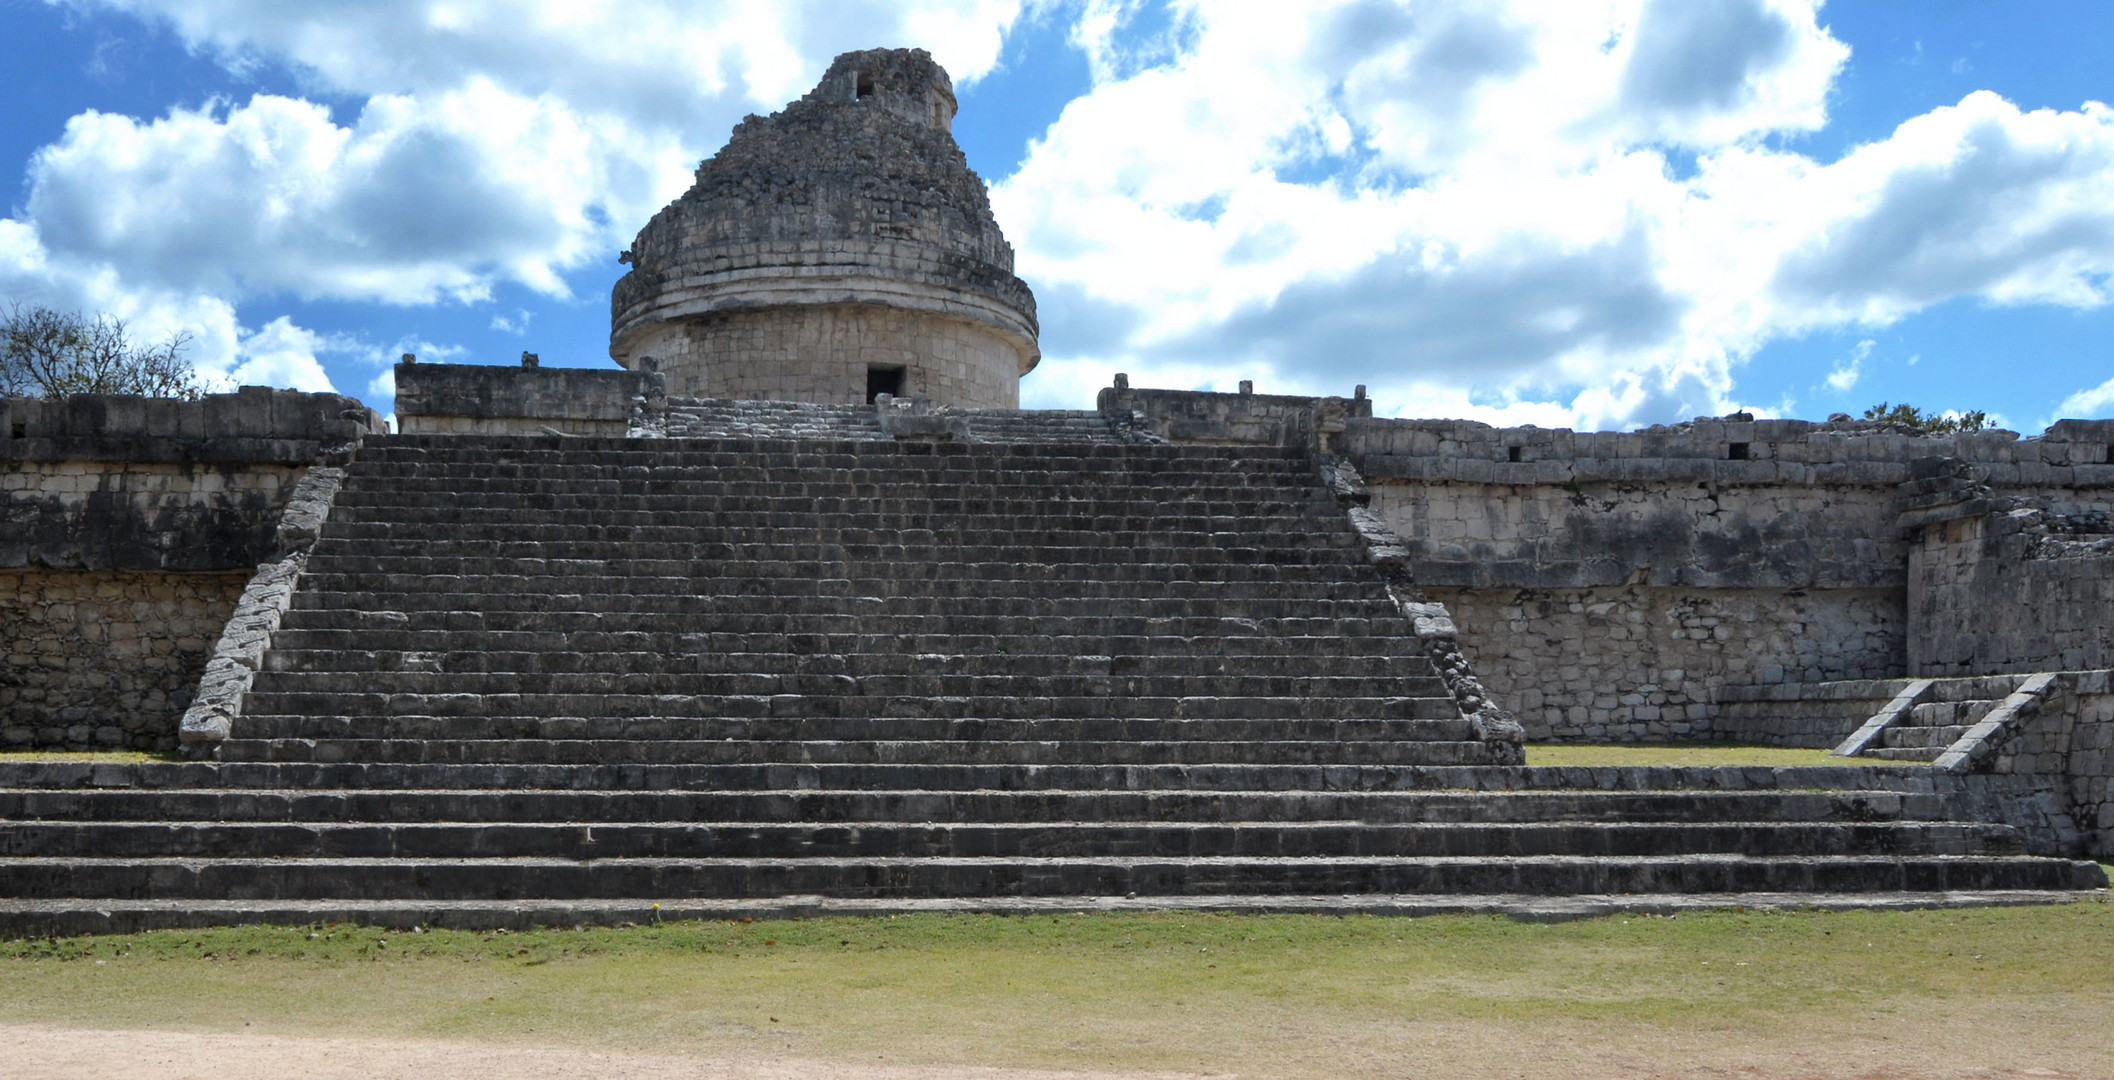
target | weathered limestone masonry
x=475, y=399
x=128, y=529
x=1615, y=586
x=1634, y=586
x=835, y=249
x=2008, y=580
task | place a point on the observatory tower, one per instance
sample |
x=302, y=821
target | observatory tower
x=831, y=251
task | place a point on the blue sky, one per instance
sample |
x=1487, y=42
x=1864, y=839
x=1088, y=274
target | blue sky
x=1591, y=213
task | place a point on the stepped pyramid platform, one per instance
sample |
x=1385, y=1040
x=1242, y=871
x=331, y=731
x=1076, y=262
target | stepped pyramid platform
x=566, y=679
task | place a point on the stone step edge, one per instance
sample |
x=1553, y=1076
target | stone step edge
x=20, y=919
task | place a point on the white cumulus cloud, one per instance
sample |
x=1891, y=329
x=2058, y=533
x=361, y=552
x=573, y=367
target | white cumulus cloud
x=2093, y=403
x=1519, y=211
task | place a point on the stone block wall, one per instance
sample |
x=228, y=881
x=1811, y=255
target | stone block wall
x=480, y=399
x=2090, y=765
x=1186, y=416
x=1816, y=716
x=2012, y=591
x=105, y=658
x=1656, y=584
x=128, y=527
x=1649, y=664
x=821, y=353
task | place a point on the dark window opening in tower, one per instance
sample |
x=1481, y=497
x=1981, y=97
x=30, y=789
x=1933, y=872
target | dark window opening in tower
x=883, y=380
x=864, y=84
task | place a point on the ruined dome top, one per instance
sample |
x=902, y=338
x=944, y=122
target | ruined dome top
x=855, y=193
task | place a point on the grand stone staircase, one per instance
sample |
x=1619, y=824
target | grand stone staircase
x=570, y=679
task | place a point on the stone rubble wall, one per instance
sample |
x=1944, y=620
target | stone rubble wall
x=105, y=659
x=128, y=527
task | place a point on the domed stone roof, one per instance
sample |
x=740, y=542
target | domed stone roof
x=856, y=194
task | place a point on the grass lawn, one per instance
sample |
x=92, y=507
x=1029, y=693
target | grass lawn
x=86, y=755
x=1684, y=754
x=1800, y=993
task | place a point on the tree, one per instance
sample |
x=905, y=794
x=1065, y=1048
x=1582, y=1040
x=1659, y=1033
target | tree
x=48, y=353
x=1935, y=423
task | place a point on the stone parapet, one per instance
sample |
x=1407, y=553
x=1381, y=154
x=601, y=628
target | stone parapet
x=112, y=481
x=1730, y=450
x=481, y=399
x=1201, y=417
x=252, y=425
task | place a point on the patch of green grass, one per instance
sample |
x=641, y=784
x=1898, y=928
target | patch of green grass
x=1148, y=991
x=1695, y=753
x=132, y=756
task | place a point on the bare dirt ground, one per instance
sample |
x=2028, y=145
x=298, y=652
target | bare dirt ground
x=1449, y=1050
x=55, y=1052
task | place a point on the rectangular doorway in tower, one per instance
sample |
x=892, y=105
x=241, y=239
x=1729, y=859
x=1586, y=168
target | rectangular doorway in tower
x=883, y=380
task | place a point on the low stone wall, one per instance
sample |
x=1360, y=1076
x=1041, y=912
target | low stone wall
x=1186, y=416
x=1816, y=716
x=482, y=399
x=105, y=658
x=1637, y=663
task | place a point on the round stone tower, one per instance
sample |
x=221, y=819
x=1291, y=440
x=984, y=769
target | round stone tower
x=831, y=251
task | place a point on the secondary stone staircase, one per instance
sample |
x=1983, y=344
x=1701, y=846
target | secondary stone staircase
x=1930, y=717
x=566, y=679
x=1930, y=729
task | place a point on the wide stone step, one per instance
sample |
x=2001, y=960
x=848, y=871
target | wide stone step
x=826, y=516
x=1213, y=689
x=522, y=632
x=1445, y=724
x=766, y=631
x=534, y=878
x=1008, y=840
x=863, y=560
x=997, y=474
x=1251, y=581
x=389, y=537
x=325, y=805
x=837, y=597
x=672, y=752
x=1906, y=753
x=1230, y=612
x=1922, y=737
x=379, y=700
x=1949, y=714
x=1016, y=583
x=474, y=650
x=1879, y=781
x=501, y=452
